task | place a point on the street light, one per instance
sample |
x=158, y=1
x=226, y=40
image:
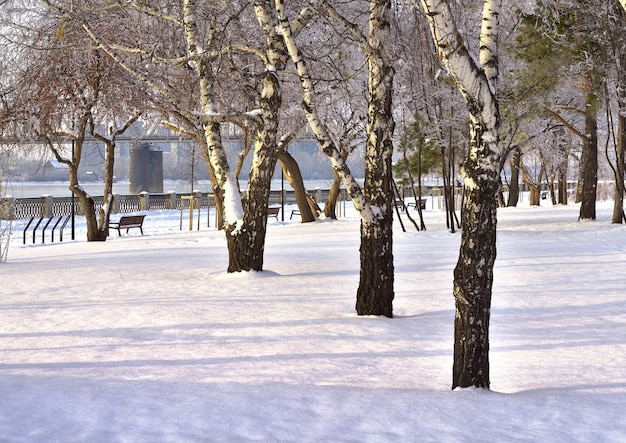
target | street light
x=73, y=198
x=282, y=192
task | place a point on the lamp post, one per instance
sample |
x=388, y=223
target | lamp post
x=73, y=198
x=282, y=193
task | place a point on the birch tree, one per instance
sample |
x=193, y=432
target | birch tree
x=375, y=201
x=476, y=80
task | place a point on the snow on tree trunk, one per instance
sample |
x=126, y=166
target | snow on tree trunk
x=375, y=292
x=237, y=237
x=328, y=147
x=473, y=274
x=375, y=202
x=263, y=164
x=227, y=192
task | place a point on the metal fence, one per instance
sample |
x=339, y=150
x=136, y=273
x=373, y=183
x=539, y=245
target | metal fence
x=48, y=206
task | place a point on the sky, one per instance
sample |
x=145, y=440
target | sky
x=148, y=339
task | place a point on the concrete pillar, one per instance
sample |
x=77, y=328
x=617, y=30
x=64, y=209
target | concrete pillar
x=317, y=195
x=144, y=201
x=171, y=199
x=7, y=208
x=46, y=205
x=115, y=205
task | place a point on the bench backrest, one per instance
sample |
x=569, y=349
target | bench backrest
x=131, y=220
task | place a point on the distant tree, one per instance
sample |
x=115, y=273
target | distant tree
x=69, y=90
x=420, y=154
x=427, y=94
x=563, y=34
x=473, y=275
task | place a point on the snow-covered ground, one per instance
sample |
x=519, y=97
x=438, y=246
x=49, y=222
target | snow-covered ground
x=148, y=339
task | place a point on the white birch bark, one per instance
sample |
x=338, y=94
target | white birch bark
x=375, y=200
x=472, y=78
x=368, y=213
x=623, y=3
x=233, y=209
x=473, y=274
x=488, y=56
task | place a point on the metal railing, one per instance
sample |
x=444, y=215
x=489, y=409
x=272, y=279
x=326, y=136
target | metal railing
x=49, y=206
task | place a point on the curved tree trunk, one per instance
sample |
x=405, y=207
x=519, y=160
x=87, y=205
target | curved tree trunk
x=330, y=207
x=533, y=186
x=292, y=172
x=515, y=172
x=85, y=201
x=88, y=209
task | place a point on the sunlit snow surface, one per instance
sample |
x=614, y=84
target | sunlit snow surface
x=147, y=339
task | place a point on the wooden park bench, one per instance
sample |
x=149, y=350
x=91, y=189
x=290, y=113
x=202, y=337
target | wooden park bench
x=422, y=204
x=273, y=212
x=127, y=222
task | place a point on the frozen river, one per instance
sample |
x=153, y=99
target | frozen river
x=60, y=189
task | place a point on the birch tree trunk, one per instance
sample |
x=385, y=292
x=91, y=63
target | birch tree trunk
x=259, y=181
x=226, y=184
x=473, y=274
x=375, y=202
x=375, y=292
